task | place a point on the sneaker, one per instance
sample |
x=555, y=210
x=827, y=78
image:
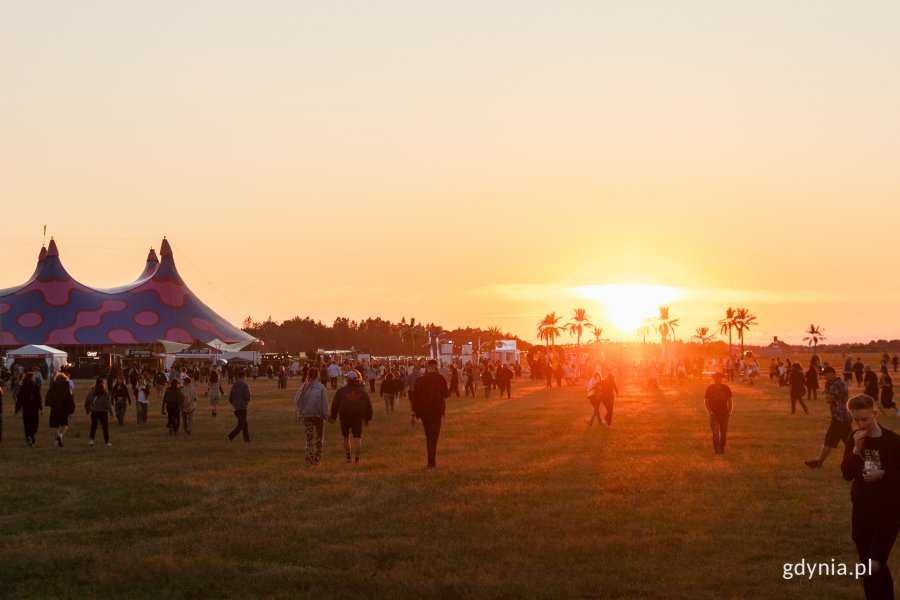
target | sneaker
x=90, y=442
x=812, y=464
x=604, y=423
x=56, y=442
x=59, y=441
x=108, y=444
x=227, y=440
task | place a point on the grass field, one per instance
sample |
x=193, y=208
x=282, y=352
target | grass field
x=526, y=503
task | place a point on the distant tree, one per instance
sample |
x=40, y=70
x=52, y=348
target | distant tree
x=743, y=321
x=597, y=331
x=665, y=325
x=726, y=325
x=645, y=329
x=702, y=335
x=411, y=334
x=549, y=329
x=580, y=321
x=814, y=336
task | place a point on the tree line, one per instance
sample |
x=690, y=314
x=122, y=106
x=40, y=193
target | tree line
x=376, y=335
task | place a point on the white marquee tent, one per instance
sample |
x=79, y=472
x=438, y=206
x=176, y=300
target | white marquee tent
x=55, y=358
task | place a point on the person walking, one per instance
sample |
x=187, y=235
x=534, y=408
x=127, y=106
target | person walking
x=504, y=380
x=812, y=382
x=870, y=386
x=172, y=402
x=62, y=404
x=354, y=407
x=121, y=398
x=608, y=392
x=797, y=383
x=593, y=395
x=239, y=398
x=454, y=380
x=487, y=380
x=189, y=405
x=215, y=391
x=388, y=391
x=429, y=406
x=719, y=404
x=470, y=379
x=311, y=403
x=872, y=461
x=334, y=371
x=142, y=399
x=99, y=405
x=836, y=394
x=28, y=400
x=886, y=383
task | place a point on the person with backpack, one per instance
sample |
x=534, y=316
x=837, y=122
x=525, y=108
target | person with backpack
x=354, y=407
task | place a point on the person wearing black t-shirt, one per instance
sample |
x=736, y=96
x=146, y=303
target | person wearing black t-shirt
x=718, y=404
x=872, y=463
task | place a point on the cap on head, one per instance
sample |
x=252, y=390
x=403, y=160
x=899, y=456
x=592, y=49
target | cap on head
x=352, y=375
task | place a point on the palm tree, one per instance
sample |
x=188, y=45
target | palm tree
x=411, y=334
x=645, y=329
x=665, y=325
x=580, y=321
x=726, y=325
x=597, y=331
x=549, y=329
x=702, y=335
x=492, y=335
x=815, y=335
x=743, y=320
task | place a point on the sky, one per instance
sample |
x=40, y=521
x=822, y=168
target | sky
x=467, y=163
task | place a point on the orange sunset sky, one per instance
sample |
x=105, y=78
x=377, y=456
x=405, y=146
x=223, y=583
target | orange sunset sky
x=468, y=163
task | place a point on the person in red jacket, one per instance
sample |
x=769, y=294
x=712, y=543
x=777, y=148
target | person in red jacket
x=429, y=405
x=872, y=463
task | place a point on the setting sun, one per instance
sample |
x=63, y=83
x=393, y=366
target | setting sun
x=627, y=305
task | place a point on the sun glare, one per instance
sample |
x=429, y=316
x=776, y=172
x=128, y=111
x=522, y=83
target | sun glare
x=626, y=306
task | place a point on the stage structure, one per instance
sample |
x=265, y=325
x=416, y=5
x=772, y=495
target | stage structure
x=134, y=320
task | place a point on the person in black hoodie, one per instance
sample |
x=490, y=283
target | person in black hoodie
x=872, y=463
x=62, y=404
x=353, y=405
x=797, y=382
x=121, y=398
x=172, y=401
x=28, y=400
x=429, y=404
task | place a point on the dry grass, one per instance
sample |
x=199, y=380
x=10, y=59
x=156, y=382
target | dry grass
x=527, y=502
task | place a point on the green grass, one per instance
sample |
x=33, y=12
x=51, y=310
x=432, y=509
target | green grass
x=526, y=503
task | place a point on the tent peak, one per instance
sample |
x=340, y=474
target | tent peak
x=165, y=249
x=151, y=257
x=42, y=254
x=52, y=250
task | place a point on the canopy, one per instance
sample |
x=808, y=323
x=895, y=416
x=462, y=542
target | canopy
x=54, y=358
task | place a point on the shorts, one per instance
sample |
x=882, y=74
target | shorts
x=352, y=426
x=59, y=420
x=838, y=431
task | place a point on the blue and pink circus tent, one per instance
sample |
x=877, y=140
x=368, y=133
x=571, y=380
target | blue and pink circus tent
x=54, y=309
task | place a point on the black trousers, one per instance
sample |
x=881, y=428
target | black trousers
x=103, y=419
x=241, y=426
x=432, y=432
x=874, y=538
x=173, y=411
x=507, y=387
